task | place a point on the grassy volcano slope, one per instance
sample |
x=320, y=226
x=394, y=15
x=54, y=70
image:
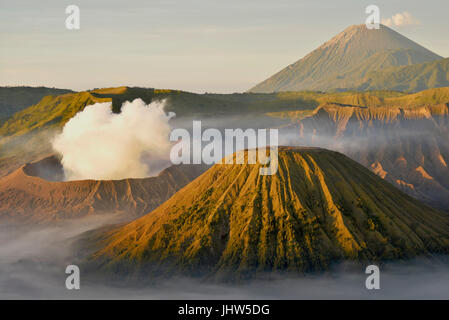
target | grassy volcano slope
x=14, y=99
x=232, y=222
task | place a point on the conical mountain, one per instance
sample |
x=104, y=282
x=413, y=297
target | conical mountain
x=232, y=222
x=343, y=61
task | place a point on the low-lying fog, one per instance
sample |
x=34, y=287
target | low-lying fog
x=33, y=262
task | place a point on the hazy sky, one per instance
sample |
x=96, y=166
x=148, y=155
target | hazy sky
x=194, y=45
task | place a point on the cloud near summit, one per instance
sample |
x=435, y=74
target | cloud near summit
x=400, y=20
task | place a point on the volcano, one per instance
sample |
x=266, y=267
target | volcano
x=232, y=222
x=35, y=193
x=344, y=61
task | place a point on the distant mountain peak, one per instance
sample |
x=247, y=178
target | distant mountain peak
x=344, y=60
x=383, y=38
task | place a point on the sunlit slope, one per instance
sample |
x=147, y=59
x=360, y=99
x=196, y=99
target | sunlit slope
x=232, y=222
x=422, y=98
x=344, y=61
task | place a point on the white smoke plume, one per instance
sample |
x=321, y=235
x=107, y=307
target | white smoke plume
x=99, y=144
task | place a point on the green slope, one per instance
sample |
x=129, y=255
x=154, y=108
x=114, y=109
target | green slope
x=14, y=99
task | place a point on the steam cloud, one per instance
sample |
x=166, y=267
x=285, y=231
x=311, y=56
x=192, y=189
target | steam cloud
x=99, y=144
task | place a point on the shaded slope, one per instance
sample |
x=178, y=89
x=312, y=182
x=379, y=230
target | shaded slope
x=343, y=61
x=25, y=196
x=232, y=222
x=409, y=78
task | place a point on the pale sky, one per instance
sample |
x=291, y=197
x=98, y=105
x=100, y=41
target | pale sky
x=194, y=45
